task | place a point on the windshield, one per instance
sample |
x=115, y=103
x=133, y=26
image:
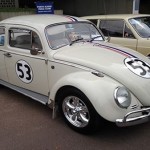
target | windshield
x=141, y=25
x=69, y=33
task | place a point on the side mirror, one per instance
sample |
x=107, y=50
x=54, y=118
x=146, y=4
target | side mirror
x=35, y=51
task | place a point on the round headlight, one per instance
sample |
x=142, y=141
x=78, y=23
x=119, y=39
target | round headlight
x=122, y=97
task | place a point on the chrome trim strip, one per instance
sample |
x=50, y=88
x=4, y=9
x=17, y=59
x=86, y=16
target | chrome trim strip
x=126, y=121
x=77, y=66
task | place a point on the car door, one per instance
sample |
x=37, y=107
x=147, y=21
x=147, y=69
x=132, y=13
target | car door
x=119, y=33
x=26, y=71
x=3, y=73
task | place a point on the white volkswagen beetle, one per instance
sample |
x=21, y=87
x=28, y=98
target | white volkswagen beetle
x=64, y=62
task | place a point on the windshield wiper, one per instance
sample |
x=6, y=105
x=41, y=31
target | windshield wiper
x=92, y=39
x=76, y=40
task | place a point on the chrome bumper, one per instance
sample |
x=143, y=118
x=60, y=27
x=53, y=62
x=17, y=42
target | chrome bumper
x=128, y=121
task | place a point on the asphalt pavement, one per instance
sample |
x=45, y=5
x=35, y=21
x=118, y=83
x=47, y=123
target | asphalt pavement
x=28, y=125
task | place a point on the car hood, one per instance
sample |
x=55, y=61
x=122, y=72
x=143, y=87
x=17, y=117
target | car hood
x=110, y=60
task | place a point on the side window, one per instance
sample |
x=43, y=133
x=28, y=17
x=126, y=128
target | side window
x=94, y=21
x=23, y=38
x=20, y=38
x=113, y=28
x=2, y=36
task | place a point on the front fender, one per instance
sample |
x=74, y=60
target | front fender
x=80, y=80
x=99, y=90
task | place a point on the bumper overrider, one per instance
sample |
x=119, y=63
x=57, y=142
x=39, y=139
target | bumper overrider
x=130, y=121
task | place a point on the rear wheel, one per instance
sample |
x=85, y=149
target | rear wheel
x=77, y=111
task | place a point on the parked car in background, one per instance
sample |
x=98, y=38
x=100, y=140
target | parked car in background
x=64, y=62
x=129, y=30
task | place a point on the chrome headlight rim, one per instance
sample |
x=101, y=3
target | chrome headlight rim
x=118, y=94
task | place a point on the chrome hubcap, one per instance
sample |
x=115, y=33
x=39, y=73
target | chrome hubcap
x=75, y=111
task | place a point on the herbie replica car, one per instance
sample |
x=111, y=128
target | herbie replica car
x=64, y=62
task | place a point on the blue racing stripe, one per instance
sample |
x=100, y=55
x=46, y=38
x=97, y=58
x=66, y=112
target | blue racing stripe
x=116, y=50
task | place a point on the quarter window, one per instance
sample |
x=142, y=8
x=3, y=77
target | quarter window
x=2, y=36
x=94, y=21
x=23, y=38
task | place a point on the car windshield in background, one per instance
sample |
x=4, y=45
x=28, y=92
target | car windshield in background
x=141, y=25
x=69, y=33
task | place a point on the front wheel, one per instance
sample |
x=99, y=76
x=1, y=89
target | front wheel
x=77, y=111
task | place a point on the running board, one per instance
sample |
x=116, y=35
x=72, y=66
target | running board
x=35, y=96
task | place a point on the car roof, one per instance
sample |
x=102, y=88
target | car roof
x=115, y=16
x=40, y=20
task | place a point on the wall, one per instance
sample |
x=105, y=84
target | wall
x=4, y=15
x=95, y=7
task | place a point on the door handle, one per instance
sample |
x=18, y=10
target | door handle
x=7, y=54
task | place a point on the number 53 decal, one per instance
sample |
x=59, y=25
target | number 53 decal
x=138, y=67
x=24, y=71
